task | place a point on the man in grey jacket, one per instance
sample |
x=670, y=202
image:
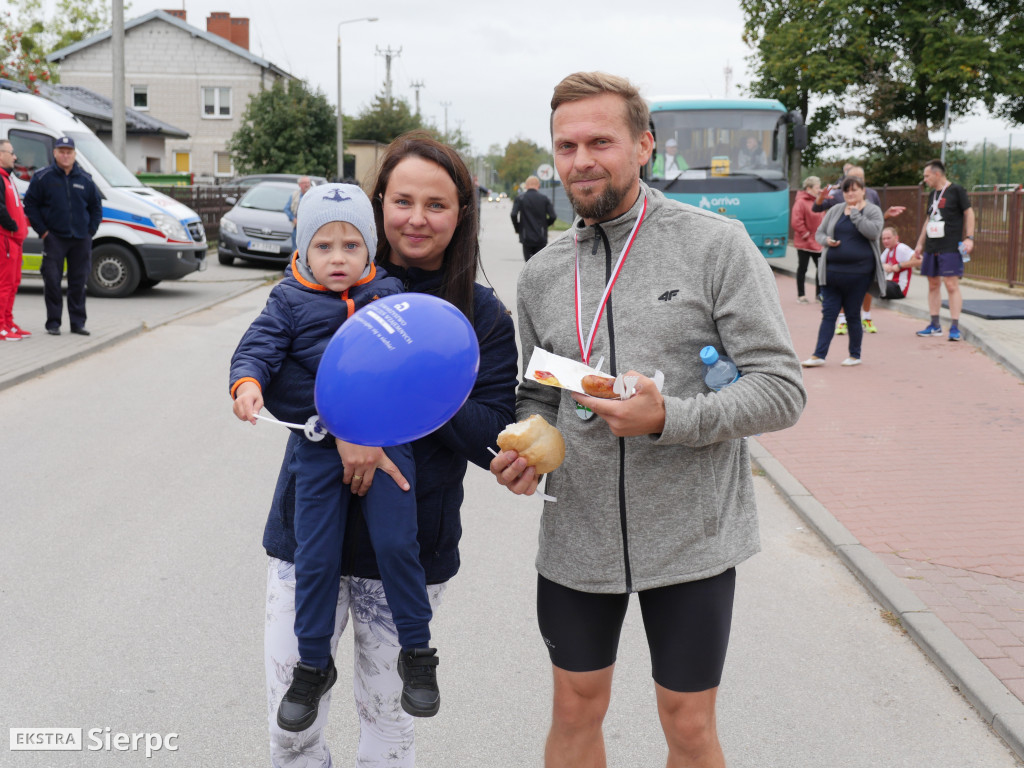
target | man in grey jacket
x=655, y=495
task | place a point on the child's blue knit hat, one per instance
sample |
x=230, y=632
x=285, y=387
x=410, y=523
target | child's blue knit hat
x=333, y=202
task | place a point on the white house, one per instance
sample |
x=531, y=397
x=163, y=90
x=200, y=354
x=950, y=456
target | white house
x=198, y=80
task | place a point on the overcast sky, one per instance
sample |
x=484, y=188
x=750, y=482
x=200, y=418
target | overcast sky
x=495, y=63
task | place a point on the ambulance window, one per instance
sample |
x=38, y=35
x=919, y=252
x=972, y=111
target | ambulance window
x=34, y=151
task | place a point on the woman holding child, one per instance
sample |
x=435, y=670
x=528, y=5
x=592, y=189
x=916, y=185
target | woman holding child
x=425, y=213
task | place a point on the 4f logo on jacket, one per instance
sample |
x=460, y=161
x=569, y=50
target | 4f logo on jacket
x=668, y=295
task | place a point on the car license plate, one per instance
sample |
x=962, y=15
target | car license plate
x=255, y=245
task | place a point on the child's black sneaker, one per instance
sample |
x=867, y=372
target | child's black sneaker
x=301, y=703
x=418, y=669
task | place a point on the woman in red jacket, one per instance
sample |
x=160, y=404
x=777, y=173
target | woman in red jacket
x=805, y=223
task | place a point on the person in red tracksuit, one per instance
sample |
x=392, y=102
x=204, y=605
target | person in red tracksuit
x=13, y=230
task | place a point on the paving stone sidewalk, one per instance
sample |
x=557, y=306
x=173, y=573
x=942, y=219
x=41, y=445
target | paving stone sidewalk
x=917, y=453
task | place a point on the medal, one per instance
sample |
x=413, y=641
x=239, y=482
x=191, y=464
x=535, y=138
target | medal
x=587, y=345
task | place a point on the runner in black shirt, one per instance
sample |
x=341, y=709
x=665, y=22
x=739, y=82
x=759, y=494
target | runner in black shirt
x=949, y=222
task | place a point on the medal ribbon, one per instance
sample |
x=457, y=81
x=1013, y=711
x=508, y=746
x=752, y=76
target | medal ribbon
x=586, y=347
x=935, y=203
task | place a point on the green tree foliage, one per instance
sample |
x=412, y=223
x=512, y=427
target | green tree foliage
x=28, y=35
x=21, y=59
x=286, y=129
x=383, y=123
x=521, y=159
x=889, y=65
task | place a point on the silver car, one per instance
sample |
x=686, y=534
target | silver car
x=258, y=228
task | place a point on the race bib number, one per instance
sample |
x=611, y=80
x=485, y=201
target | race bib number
x=935, y=229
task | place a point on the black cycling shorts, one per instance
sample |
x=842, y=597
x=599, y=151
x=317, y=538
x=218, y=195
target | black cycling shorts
x=687, y=628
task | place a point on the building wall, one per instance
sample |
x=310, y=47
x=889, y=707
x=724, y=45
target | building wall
x=367, y=155
x=174, y=66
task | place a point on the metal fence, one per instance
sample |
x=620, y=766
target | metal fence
x=209, y=201
x=999, y=217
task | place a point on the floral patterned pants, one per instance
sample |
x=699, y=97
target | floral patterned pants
x=385, y=731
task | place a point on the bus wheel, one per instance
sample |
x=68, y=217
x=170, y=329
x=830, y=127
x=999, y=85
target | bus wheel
x=115, y=272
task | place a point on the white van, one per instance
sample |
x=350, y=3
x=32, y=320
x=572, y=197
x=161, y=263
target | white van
x=145, y=236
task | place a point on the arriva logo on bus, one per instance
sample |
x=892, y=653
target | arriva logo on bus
x=717, y=201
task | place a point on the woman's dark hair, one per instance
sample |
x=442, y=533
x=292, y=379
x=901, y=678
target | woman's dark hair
x=853, y=181
x=462, y=256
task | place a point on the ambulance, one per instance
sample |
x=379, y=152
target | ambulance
x=145, y=236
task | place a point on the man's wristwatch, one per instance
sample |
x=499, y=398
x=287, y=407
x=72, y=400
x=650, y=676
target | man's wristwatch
x=968, y=237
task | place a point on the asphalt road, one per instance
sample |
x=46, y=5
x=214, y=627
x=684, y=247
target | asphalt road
x=132, y=505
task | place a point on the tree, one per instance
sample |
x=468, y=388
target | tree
x=521, y=159
x=383, y=123
x=286, y=129
x=21, y=60
x=888, y=64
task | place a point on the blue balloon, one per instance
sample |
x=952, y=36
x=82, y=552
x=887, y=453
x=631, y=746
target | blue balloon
x=396, y=370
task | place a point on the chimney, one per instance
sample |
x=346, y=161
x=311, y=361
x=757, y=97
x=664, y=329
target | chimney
x=240, y=33
x=177, y=13
x=219, y=23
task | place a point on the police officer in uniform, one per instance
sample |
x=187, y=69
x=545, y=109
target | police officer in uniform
x=64, y=206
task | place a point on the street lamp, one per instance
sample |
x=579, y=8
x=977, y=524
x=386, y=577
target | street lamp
x=341, y=144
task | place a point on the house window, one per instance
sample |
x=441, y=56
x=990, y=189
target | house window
x=217, y=102
x=140, y=97
x=222, y=164
x=182, y=162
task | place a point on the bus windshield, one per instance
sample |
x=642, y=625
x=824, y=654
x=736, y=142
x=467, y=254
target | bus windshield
x=719, y=144
x=103, y=161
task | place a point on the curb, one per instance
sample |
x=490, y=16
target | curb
x=969, y=335
x=997, y=706
x=118, y=336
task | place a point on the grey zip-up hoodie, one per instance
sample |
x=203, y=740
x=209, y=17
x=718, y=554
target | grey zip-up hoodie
x=642, y=512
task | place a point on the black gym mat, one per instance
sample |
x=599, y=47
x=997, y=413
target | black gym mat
x=993, y=309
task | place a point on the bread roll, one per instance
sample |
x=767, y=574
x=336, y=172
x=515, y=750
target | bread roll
x=536, y=441
x=599, y=386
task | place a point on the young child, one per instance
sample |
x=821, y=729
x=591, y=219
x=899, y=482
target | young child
x=275, y=364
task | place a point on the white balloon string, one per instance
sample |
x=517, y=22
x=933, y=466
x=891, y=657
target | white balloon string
x=535, y=493
x=276, y=421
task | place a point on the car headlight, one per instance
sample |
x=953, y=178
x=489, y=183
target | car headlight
x=229, y=226
x=170, y=226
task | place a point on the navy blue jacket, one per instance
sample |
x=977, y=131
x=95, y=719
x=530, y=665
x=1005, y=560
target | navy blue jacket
x=282, y=348
x=441, y=457
x=68, y=205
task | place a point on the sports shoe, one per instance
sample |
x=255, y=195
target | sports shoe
x=931, y=330
x=802, y=299
x=954, y=334
x=24, y=334
x=868, y=326
x=841, y=329
x=851, y=361
x=301, y=703
x=10, y=335
x=418, y=670
x=813, y=362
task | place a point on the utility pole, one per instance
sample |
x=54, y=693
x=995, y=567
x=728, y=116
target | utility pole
x=446, y=104
x=388, y=54
x=945, y=130
x=416, y=87
x=117, y=117
x=728, y=78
